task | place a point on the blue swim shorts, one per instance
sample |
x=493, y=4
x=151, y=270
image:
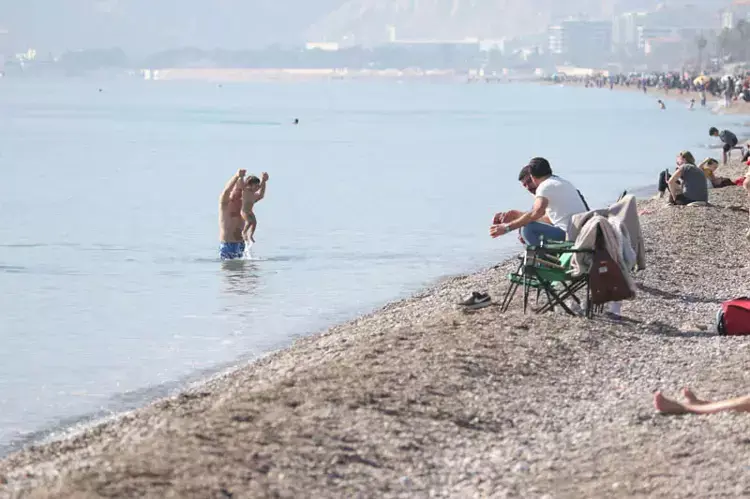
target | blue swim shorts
x=231, y=251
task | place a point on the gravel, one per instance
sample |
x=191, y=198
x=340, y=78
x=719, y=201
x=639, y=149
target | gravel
x=421, y=399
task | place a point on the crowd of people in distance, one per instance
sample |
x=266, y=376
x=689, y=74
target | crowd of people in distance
x=732, y=87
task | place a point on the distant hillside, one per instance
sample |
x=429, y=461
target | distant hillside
x=141, y=26
x=366, y=20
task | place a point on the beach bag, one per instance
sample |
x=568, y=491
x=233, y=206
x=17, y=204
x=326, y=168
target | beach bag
x=733, y=319
x=606, y=281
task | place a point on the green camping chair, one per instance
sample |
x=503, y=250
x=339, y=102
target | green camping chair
x=546, y=269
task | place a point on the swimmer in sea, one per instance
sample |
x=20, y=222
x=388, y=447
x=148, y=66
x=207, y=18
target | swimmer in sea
x=662, y=105
x=253, y=190
x=692, y=104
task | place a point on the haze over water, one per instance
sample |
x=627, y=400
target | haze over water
x=110, y=286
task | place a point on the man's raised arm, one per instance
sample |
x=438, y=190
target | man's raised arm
x=224, y=198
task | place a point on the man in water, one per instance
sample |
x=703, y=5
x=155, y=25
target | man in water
x=555, y=198
x=231, y=223
x=662, y=106
x=728, y=138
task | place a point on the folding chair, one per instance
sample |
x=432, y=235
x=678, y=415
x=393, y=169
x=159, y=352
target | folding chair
x=546, y=269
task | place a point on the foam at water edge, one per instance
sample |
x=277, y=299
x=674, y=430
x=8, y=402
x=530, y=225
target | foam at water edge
x=248, y=254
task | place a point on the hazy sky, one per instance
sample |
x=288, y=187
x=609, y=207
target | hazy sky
x=144, y=26
x=148, y=25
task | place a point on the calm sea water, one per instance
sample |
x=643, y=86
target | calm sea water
x=111, y=292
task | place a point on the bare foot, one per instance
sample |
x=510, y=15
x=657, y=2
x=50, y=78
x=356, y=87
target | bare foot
x=668, y=406
x=691, y=397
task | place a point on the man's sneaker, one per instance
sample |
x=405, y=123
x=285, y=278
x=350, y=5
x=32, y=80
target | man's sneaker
x=476, y=301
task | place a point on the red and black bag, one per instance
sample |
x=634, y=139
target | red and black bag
x=734, y=317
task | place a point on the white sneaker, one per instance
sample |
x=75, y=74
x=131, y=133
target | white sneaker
x=476, y=301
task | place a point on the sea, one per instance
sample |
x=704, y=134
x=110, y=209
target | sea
x=111, y=290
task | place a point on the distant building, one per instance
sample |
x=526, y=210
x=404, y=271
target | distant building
x=625, y=30
x=490, y=45
x=325, y=46
x=390, y=33
x=581, y=41
x=727, y=19
x=655, y=33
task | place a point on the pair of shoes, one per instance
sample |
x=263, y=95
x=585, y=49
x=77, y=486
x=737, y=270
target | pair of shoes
x=476, y=301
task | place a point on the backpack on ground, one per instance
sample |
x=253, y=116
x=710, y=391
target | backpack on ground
x=733, y=319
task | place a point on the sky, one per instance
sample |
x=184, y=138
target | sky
x=144, y=26
x=141, y=27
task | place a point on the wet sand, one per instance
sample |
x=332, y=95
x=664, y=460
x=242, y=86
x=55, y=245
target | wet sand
x=421, y=399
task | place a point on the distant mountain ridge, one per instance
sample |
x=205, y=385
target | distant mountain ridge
x=366, y=20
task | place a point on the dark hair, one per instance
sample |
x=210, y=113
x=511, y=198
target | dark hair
x=539, y=168
x=713, y=130
x=524, y=173
x=252, y=180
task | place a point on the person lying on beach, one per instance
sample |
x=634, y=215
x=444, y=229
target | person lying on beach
x=694, y=405
x=687, y=184
x=253, y=190
x=709, y=166
x=555, y=198
x=729, y=140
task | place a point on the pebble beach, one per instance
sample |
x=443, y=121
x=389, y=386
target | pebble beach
x=423, y=399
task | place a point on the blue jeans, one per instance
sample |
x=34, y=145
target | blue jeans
x=533, y=233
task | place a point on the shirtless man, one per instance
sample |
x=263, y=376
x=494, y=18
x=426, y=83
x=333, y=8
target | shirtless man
x=231, y=224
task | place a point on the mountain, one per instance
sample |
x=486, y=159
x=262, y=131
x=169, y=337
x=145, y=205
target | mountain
x=366, y=21
x=142, y=26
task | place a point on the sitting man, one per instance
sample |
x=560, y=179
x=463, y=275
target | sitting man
x=556, y=198
x=524, y=177
x=687, y=184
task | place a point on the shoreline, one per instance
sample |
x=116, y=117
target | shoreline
x=419, y=398
x=68, y=428
x=712, y=104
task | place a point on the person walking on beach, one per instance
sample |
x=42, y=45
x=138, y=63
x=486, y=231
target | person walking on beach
x=231, y=223
x=727, y=138
x=694, y=405
x=555, y=198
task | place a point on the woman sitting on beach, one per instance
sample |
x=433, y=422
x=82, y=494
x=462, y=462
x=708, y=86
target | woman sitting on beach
x=694, y=405
x=709, y=166
x=687, y=184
